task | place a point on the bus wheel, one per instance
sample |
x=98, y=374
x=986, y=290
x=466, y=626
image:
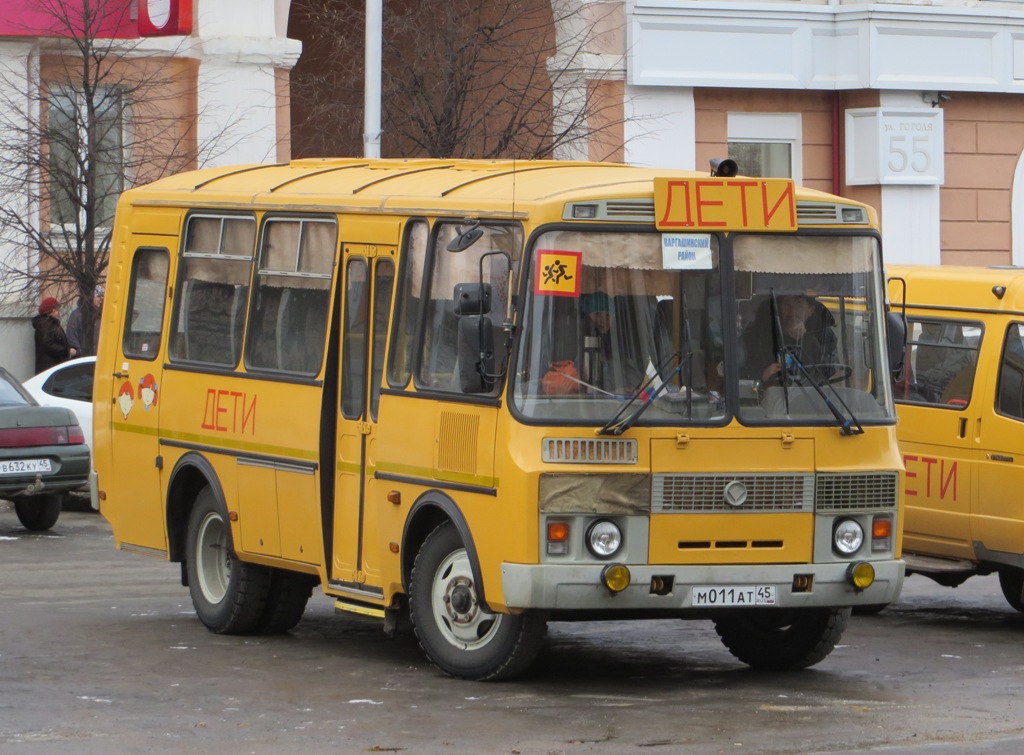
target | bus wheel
x=38, y=512
x=229, y=595
x=286, y=601
x=780, y=640
x=1011, y=581
x=456, y=632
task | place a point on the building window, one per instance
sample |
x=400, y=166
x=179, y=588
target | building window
x=86, y=155
x=767, y=144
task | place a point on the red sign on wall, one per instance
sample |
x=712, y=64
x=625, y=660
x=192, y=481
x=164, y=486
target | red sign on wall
x=165, y=18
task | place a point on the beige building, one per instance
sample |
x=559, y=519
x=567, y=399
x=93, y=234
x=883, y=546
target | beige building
x=911, y=105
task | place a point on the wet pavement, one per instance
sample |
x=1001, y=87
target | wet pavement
x=101, y=652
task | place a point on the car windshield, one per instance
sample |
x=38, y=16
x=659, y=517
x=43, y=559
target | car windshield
x=11, y=393
x=614, y=318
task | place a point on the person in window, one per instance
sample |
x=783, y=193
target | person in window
x=51, y=341
x=800, y=327
x=604, y=364
x=76, y=339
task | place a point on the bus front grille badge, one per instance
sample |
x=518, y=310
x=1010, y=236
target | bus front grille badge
x=735, y=494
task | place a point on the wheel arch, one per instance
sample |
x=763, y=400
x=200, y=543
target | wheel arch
x=432, y=509
x=191, y=473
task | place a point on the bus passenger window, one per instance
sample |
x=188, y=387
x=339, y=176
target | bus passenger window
x=943, y=357
x=407, y=309
x=145, y=311
x=353, y=347
x=288, y=323
x=213, y=289
x=1010, y=393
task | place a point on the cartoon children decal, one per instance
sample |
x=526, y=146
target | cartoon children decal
x=125, y=398
x=148, y=391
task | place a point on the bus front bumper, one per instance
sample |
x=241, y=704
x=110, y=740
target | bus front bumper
x=672, y=588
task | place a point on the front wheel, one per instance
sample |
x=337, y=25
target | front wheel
x=1011, y=581
x=782, y=640
x=454, y=629
x=38, y=512
x=229, y=595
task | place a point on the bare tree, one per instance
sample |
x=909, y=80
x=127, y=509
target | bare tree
x=461, y=78
x=89, y=116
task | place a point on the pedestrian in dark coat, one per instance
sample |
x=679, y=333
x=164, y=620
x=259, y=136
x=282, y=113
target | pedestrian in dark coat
x=51, y=342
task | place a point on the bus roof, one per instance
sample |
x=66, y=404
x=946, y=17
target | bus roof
x=956, y=287
x=479, y=187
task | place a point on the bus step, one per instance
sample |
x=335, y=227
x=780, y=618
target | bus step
x=349, y=606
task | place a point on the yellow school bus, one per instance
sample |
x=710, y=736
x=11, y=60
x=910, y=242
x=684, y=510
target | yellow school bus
x=961, y=430
x=486, y=395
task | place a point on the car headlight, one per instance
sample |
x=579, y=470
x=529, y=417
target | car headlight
x=604, y=538
x=847, y=537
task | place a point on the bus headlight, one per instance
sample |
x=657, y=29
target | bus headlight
x=604, y=538
x=847, y=537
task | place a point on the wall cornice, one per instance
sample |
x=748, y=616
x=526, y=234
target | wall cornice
x=775, y=45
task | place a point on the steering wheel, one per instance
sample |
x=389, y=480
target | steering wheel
x=829, y=372
x=825, y=372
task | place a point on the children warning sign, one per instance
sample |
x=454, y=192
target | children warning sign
x=725, y=204
x=557, y=273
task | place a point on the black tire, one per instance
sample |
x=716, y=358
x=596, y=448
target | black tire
x=1011, y=582
x=38, y=512
x=287, y=596
x=782, y=640
x=457, y=633
x=870, y=610
x=230, y=596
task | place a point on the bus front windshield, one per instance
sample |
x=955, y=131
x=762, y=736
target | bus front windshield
x=647, y=319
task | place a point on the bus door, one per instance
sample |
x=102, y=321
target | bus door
x=368, y=279
x=134, y=489
x=940, y=408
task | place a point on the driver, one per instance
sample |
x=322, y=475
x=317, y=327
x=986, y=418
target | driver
x=804, y=328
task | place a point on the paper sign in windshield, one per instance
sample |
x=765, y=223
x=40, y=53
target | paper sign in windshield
x=686, y=251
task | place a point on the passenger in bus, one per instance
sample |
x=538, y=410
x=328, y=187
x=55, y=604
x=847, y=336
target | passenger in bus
x=802, y=328
x=605, y=367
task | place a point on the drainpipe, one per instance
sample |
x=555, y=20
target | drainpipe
x=836, y=183
x=371, y=95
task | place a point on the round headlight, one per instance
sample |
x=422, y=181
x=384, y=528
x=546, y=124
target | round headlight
x=847, y=537
x=604, y=538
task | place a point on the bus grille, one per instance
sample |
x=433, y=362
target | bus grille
x=705, y=493
x=843, y=492
x=589, y=451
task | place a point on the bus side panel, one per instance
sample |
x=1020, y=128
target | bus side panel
x=249, y=430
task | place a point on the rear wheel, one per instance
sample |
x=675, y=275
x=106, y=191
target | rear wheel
x=230, y=596
x=779, y=640
x=454, y=629
x=287, y=596
x=38, y=512
x=1011, y=581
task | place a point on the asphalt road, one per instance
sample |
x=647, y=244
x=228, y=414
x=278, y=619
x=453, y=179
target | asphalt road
x=100, y=652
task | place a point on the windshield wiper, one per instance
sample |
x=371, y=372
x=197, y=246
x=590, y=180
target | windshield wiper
x=848, y=425
x=649, y=389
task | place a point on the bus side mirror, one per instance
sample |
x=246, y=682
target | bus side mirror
x=476, y=354
x=896, y=340
x=472, y=298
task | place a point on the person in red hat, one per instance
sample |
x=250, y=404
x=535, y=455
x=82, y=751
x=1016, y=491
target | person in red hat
x=51, y=342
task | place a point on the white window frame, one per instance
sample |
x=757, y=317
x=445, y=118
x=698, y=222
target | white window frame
x=771, y=128
x=125, y=113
